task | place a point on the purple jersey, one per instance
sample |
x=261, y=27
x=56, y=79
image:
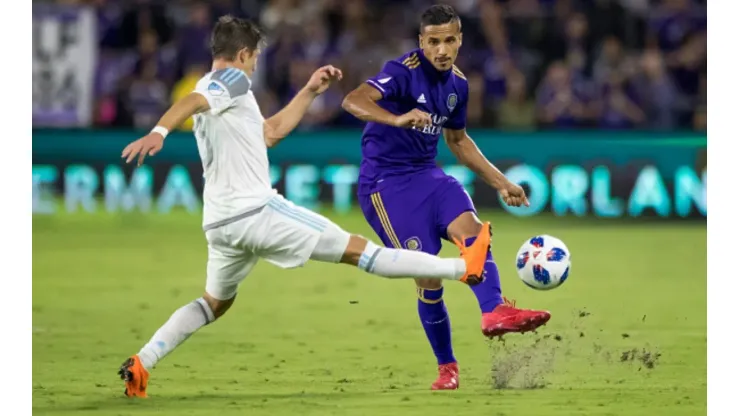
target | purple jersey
x=409, y=82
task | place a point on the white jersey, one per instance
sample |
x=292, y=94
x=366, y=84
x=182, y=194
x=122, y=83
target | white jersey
x=231, y=145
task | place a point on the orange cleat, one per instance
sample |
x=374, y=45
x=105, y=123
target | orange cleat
x=135, y=376
x=507, y=318
x=475, y=256
x=449, y=377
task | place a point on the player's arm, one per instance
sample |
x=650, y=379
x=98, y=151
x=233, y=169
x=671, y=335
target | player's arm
x=390, y=83
x=468, y=153
x=152, y=143
x=281, y=124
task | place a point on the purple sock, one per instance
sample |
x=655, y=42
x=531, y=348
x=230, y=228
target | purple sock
x=436, y=323
x=489, y=291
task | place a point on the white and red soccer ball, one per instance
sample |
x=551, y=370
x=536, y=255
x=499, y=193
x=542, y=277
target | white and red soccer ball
x=543, y=262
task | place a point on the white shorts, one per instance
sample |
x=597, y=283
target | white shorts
x=281, y=232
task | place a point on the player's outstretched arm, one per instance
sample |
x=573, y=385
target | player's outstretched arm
x=362, y=103
x=152, y=143
x=282, y=123
x=468, y=153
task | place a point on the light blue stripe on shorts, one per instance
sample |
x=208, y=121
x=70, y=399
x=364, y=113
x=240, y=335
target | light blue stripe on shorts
x=304, y=218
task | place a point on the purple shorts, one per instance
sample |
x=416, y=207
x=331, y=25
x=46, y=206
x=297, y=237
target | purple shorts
x=413, y=211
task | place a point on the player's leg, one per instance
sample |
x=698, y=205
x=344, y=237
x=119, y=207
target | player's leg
x=337, y=246
x=291, y=235
x=458, y=222
x=227, y=267
x=404, y=218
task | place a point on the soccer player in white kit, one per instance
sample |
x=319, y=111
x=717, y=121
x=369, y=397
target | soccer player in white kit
x=244, y=219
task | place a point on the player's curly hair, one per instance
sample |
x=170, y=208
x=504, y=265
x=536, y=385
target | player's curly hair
x=232, y=34
x=439, y=14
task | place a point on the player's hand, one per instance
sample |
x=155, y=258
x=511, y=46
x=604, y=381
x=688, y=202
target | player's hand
x=322, y=79
x=413, y=119
x=513, y=195
x=148, y=145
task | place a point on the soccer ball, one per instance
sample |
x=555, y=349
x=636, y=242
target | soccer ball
x=543, y=262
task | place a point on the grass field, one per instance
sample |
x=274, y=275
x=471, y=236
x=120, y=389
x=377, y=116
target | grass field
x=328, y=340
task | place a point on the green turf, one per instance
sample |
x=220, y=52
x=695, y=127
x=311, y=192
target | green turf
x=328, y=340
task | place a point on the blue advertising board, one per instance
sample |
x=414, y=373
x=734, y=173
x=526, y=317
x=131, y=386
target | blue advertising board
x=574, y=173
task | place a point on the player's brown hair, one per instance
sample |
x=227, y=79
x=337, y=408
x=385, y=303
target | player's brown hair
x=438, y=14
x=232, y=34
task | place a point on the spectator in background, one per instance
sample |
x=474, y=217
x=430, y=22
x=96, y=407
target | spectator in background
x=186, y=85
x=612, y=59
x=576, y=47
x=559, y=103
x=618, y=108
x=143, y=16
x=516, y=111
x=194, y=38
x=495, y=60
x=325, y=108
x=280, y=13
x=109, y=17
x=165, y=59
x=686, y=65
x=503, y=41
x=657, y=92
x=496, y=67
x=316, y=42
x=147, y=96
x=672, y=22
x=477, y=112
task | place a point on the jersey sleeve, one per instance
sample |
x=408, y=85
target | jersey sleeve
x=459, y=116
x=222, y=88
x=392, y=81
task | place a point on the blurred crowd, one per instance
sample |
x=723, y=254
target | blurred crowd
x=530, y=64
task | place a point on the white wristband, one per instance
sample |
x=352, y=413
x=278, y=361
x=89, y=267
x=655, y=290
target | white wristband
x=161, y=130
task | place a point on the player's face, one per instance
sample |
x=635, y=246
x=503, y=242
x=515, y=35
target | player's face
x=248, y=60
x=440, y=44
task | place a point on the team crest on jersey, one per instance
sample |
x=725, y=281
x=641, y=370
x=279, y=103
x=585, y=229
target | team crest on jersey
x=413, y=243
x=215, y=89
x=451, y=101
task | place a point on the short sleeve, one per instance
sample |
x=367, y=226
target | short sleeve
x=392, y=81
x=222, y=87
x=458, y=118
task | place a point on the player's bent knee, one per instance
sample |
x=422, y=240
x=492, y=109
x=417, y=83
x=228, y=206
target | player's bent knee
x=218, y=306
x=431, y=284
x=464, y=226
x=332, y=245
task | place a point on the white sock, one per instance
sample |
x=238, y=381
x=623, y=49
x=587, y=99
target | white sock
x=397, y=263
x=183, y=323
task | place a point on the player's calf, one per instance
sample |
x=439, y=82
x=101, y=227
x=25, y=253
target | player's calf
x=464, y=227
x=218, y=306
x=181, y=325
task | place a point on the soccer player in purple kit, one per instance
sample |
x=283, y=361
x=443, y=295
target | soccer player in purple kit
x=408, y=200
